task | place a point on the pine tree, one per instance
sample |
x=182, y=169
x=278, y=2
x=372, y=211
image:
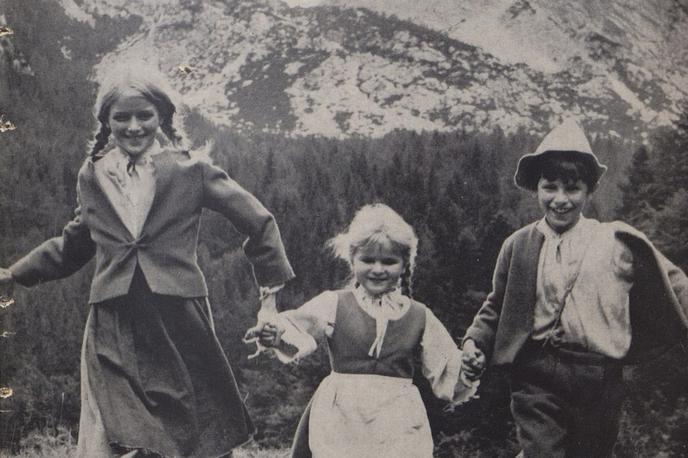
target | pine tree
x=638, y=189
x=655, y=197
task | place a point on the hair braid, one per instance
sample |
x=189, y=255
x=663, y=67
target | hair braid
x=406, y=287
x=169, y=130
x=102, y=138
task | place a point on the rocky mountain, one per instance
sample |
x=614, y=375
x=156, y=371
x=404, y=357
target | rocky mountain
x=642, y=45
x=366, y=67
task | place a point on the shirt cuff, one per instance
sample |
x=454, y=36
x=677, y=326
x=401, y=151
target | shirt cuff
x=266, y=291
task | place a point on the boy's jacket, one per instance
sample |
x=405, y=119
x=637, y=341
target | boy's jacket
x=166, y=249
x=658, y=299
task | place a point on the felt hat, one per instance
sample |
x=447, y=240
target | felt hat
x=569, y=137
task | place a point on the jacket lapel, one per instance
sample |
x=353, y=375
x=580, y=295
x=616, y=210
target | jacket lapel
x=103, y=201
x=162, y=171
x=162, y=168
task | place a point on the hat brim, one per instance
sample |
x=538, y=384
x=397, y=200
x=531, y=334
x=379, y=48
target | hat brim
x=528, y=169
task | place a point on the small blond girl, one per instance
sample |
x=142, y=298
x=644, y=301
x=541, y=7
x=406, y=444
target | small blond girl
x=368, y=405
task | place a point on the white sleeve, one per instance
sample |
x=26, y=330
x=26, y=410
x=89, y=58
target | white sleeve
x=441, y=362
x=622, y=260
x=304, y=326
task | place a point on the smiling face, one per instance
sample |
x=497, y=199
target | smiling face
x=378, y=267
x=562, y=202
x=134, y=121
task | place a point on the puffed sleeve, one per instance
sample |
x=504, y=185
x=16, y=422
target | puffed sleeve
x=58, y=257
x=263, y=247
x=441, y=364
x=306, y=325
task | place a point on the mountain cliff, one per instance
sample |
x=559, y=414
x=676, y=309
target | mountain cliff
x=366, y=67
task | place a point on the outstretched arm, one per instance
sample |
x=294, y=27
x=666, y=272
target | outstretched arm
x=294, y=334
x=441, y=363
x=58, y=257
x=484, y=327
x=263, y=247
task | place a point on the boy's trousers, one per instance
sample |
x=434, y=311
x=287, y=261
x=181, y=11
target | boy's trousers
x=566, y=403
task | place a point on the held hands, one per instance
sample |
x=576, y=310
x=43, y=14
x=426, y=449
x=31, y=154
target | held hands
x=473, y=361
x=6, y=288
x=265, y=333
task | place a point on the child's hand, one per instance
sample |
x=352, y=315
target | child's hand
x=270, y=335
x=265, y=335
x=473, y=361
x=253, y=336
x=6, y=288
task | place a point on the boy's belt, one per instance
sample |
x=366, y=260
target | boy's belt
x=571, y=353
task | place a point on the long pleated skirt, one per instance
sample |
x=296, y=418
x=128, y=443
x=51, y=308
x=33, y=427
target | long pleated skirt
x=154, y=379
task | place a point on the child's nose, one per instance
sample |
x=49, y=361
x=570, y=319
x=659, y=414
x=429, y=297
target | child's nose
x=560, y=196
x=134, y=124
x=378, y=267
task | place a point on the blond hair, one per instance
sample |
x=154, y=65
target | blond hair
x=375, y=224
x=150, y=83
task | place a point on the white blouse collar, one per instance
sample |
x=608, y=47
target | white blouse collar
x=390, y=306
x=144, y=159
x=391, y=303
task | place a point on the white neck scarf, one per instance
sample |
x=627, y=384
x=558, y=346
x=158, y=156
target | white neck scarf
x=383, y=308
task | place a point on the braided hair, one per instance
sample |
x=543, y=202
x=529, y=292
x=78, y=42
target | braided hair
x=376, y=223
x=170, y=132
x=406, y=281
x=151, y=86
x=102, y=138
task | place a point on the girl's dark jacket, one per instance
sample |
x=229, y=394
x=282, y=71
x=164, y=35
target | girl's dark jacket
x=166, y=248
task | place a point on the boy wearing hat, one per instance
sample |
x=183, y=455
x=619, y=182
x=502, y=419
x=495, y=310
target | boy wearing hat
x=572, y=301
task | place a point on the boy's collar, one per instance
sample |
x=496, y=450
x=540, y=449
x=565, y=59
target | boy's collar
x=549, y=233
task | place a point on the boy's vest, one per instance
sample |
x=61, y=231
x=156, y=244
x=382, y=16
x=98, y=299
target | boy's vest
x=658, y=301
x=354, y=333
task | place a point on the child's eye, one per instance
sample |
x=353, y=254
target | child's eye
x=145, y=116
x=390, y=261
x=120, y=117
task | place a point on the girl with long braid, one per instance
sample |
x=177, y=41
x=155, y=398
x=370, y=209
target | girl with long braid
x=154, y=378
x=368, y=406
